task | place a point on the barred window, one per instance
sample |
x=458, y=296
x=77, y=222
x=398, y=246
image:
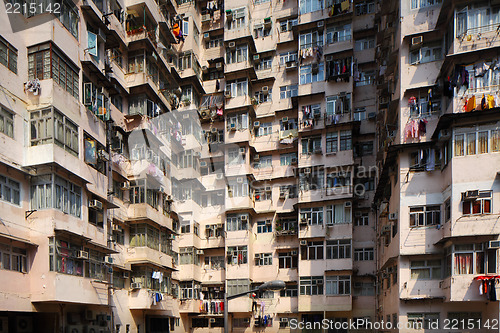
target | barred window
x=51, y=126
x=6, y=122
x=8, y=55
x=51, y=191
x=10, y=190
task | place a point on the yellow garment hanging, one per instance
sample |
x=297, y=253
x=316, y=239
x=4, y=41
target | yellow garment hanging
x=471, y=104
x=490, y=101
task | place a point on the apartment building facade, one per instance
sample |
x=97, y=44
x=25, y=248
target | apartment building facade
x=438, y=161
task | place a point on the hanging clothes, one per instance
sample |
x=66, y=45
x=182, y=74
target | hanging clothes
x=471, y=104
x=490, y=101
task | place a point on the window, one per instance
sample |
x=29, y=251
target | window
x=237, y=222
x=310, y=39
x=188, y=256
x=261, y=30
x=64, y=257
x=51, y=126
x=215, y=262
x=308, y=6
x=264, y=162
x=287, y=57
x=238, y=121
x=424, y=3
x=144, y=191
x=465, y=320
x=265, y=129
x=286, y=159
x=426, y=53
x=288, y=259
x=290, y=91
x=345, y=140
x=264, y=259
x=424, y=159
x=364, y=289
x=313, y=216
x=189, y=290
x=359, y=114
x=480, y=141
x=363, y=254
x=338, y=105
x=238, y=20
x=13, y=258
x=426, y=269
x=364, y=44
x=264, y=96
x=286, y=25
x=215, y=41
x=51, y=191
x=337, y=180
x=239, y=54
x=241, y=322
x=311, y=73
x=468, y=259
x=264, y=226
x=338, y=33
x=264, y=63
x=237, y=87
x=47, y=62
x=479, y=205
x=425, y=216
x=144, y=235
x=313, y=251
x=238, y=189
x=366, y=78
x=8, y=55
x=361, y=220
x=311, y=145
x=237, y=286
x=364, y=148
x=332, y=142
x=311, y=285
x=6, y=122
x=420, y=321
x=338, y=249
x=291, y=290
x=10, y=190
x=364, y=8
x=338, y=213
x=338, y=285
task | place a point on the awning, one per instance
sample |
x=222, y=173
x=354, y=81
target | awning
x=102, y=248
x=68, y=233
x=210, y=283
x=109, y=204
x=147, y=262
x=421, y=298
x=486, y=277
x=445, y=239
x=17, y=239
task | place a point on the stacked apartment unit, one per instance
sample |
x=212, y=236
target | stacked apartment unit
x=438, y=156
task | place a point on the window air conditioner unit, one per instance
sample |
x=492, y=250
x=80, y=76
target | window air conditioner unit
x=256, y=157
x=257, y=256
x=256, y=57
x=228, y=94
x=294, y=252
x=232, y=127
x=231, y=45
x=199, y=252
x=386, y=228
x=267, y=22
x=126, y=275
x=416, y=40
x=203, y=164
x=265, y=90
x=229, y=14
x=244, y=217
x=108, y=260
x=219, y=176
x=282, y=195
x=321, y=24
x=213, y=130
x=393, y=216
x=372, y=115
x=243, y=151
x=136, y=285
x=494, y=244
x=125, y=185
x=96, y=204
x=212, y=320
x=205, y=18
x=256, y=124
x=307, y=171
x=284, y=119
x=268, y=189
x=82, y=255
x=347, y=204
x=303, y=243
x=470, y=195
x=319, y=282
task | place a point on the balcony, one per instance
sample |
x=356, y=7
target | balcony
x=313, y=88
x=146, y=254
x=421, y=289
x=324, y=303
x=463, y=288
x=142, y=211
x=238, y=102
x=237, y=135
x=242, y=304
x=239, y=203
x=288, y=136
x=233, y=34
x=314, y=231
x=140, y=299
